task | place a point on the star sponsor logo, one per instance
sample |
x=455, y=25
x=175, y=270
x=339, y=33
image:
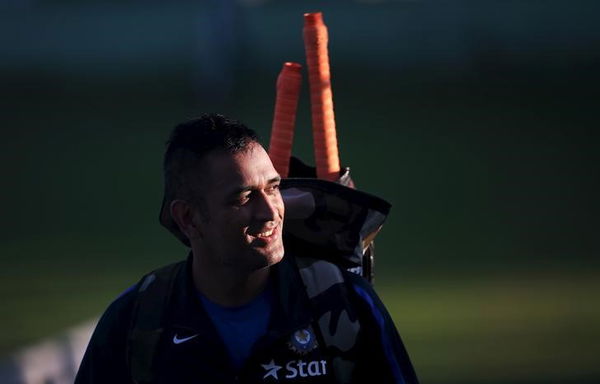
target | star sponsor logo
x=271, y=369
x=295, y=369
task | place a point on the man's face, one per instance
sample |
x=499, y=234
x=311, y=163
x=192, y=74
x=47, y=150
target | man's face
x=242, y=220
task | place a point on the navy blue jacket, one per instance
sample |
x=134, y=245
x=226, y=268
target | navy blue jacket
x=305, y=343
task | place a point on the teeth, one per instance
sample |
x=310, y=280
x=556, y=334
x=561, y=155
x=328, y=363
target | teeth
x=265, y=234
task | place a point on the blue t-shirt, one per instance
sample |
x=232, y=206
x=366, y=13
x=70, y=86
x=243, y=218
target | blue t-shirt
x=241, y=327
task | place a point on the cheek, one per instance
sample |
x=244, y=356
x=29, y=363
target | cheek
x=234, y=224
x=280, y=206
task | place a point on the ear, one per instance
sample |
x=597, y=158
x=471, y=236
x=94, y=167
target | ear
x=186, y=218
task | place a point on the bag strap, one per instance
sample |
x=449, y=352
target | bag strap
x=337, y=321
x=146, y=323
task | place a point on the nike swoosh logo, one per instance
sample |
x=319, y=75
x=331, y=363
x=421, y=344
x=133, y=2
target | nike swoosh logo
x=177, y=340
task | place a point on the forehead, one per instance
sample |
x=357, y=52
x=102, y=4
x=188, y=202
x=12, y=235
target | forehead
x=227, y=172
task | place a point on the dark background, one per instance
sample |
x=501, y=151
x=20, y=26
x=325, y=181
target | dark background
x=477, y=120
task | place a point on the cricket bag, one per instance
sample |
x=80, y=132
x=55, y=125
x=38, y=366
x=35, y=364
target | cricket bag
x=331, y=220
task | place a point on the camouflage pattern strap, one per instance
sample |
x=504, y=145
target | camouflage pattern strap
x=146, y=324
x=338, y=323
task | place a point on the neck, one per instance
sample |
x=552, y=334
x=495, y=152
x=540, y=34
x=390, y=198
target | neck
x=226, y=286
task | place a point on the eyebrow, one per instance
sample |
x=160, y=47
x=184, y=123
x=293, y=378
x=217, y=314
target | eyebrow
x=246, y=188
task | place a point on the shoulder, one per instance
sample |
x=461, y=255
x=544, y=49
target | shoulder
x=117, y=313
x=106, y=356
x=363, y=289
x=368, y=303
x=117, y=317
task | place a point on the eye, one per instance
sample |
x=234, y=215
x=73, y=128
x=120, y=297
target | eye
x=241, y=199
x=272, y=189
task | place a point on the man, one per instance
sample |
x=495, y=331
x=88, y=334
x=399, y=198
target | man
x=239, y=310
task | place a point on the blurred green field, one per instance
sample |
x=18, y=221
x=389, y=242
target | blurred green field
x=488, y=261
x=525, y=328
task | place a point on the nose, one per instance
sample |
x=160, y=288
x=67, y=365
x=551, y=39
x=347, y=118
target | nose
x=268, y=207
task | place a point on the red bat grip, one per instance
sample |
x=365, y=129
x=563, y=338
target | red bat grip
x=284, y=119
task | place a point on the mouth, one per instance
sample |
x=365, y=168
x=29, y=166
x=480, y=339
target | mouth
x=266, y=236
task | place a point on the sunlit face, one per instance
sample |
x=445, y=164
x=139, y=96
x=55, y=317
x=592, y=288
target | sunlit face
x=243, y=222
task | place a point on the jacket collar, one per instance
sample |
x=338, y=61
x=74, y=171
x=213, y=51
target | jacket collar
x=291, y=305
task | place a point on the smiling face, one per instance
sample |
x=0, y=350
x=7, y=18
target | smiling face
x=241, y=221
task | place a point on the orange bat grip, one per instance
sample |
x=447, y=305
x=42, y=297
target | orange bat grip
x=284, y=119
x=321, y=98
